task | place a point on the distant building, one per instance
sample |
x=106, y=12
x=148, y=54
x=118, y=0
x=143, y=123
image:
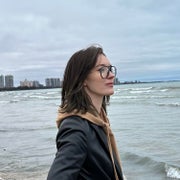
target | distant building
x=36, y=84
x=29, y=84
x=53, y=82
x=116, y=81
x=1, y=81
x=9, y=81
x=26, y=83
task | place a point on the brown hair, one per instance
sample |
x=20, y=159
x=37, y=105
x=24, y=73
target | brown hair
x=73, y=94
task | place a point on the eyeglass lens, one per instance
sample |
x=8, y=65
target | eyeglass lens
x=105, y=71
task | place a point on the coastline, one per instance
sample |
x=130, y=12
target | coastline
x=25, y=88
x=19, y=88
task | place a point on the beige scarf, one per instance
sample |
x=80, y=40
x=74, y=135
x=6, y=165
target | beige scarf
x=102, y=121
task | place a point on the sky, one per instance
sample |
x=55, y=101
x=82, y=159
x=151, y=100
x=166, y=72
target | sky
x=141, y=38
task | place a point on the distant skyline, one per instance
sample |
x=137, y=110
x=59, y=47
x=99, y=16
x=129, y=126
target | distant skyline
x=141, y=38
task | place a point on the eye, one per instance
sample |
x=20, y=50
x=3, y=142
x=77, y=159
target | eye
x=102, y=69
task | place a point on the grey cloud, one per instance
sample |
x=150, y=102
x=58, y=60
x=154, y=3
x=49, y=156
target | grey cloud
x=41, y=35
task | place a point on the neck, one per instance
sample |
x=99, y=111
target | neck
x=97, y=103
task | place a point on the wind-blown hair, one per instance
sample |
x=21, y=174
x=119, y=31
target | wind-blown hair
x=73, y=95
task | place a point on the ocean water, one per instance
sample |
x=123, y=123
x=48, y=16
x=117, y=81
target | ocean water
x=145, y=119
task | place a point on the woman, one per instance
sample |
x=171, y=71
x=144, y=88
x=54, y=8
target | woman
x=86, y=148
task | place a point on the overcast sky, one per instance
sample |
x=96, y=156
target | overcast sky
x=141, y=38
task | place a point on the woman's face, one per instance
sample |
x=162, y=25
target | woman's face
x=95, y=85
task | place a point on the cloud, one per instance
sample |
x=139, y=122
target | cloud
x=140, y=37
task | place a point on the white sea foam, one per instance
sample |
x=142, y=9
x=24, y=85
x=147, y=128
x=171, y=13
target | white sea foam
x=172, y=172
x=164, y=90
x=1, y=176
x=140, y=91
x=141, y=88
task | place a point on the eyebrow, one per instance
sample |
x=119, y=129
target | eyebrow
x=103, y=65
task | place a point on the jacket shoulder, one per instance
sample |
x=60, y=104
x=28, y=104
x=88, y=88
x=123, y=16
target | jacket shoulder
x=74, y=122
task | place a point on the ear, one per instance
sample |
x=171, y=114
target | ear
x=85, y=84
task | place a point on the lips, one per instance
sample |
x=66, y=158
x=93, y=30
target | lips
x=111, y=84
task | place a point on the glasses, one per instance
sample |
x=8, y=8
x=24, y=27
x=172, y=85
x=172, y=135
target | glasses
x=104, y=71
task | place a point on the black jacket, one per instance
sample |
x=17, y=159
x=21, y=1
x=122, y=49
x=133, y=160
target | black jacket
x=82, y=152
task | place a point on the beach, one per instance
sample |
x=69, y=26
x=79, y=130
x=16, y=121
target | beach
x=144, y=118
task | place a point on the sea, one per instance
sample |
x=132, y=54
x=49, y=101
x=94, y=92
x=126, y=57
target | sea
x=145, y=119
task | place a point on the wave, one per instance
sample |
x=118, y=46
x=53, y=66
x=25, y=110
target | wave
x=134, y=90
x=124, y=97
x=151, y=89
x=164, y=90
x=3, y=102
x=32, y=98
x=43, y=97
x=176, y=104
x=171, y=171
x=115, y=97
x=172, y=87
x=13, y=101
x=41, y=175
x=1, y=178
x=27, y=129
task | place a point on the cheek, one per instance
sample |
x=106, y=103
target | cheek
x=95, y=86
x=94, y=82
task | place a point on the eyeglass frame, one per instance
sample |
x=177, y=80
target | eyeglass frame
x=108, y=71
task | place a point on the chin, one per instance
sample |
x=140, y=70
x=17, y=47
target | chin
x=110, y=93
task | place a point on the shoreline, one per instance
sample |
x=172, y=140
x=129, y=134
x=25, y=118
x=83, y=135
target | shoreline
x=19, y=88
x=25, y=88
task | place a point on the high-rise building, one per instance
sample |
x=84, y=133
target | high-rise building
x=9, y=81
x=53, y=82
x=1, y=81
x=27, y=83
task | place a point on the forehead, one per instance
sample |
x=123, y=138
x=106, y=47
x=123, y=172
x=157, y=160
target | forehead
x=102, y=60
